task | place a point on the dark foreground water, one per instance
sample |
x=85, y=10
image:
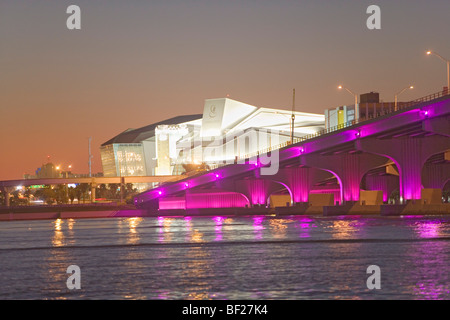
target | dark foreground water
x=226, y=258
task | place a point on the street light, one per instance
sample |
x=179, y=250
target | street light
x=448, y=67
x=356, y=102
x=396, y=96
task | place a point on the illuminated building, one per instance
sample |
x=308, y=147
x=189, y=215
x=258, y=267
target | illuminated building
x=226, y=130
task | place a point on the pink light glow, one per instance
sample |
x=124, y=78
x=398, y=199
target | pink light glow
x=428, y=229
x=218, y=227
x=172, y=203
x=258, y=227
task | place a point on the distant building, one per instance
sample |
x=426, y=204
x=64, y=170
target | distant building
x=227, y=129
x=47, y=170
x=369, y=107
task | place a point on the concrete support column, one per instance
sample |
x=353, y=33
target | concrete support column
x=257, y=190
x=93, y=187
x=435, y=175
x=122, y=186
x=409, y=154
x=387, y=183
x=299, y=181
x=349, y=168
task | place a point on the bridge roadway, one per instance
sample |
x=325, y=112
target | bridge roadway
x=408, y=138
x=7, y=186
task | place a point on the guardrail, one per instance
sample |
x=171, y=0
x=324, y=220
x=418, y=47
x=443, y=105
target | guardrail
x=384, y=112
x=400, y=106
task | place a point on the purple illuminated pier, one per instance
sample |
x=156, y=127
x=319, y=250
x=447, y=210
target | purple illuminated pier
x=405, y=141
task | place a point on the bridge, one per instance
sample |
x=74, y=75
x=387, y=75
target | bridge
x=407, y=150
x=7, y=186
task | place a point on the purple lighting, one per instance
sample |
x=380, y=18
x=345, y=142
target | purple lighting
x=186, y=184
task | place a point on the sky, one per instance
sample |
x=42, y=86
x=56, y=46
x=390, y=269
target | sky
x=134, y=63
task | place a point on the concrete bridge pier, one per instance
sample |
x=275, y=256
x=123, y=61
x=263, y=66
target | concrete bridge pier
x=349, y=169
x=387, y=183
x=436, y=175
x=93, y=188
x=299, y=181
x=257, y=190
x=409, y=155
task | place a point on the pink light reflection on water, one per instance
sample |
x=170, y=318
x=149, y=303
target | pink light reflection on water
x=305, y=224
x=161, y=229
x=188, y=221
x=258, y=227
x=218, y=227
x=428, y=229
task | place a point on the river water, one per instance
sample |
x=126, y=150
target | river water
x=226, y=258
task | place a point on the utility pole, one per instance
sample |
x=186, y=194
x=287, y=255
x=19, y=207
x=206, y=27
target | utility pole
x=293, y=117
x=90, y=158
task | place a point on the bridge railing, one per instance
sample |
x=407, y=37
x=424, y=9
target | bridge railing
x=385, y=111
x=400, y=106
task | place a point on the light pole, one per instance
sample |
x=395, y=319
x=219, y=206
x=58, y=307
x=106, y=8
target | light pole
x=356, y=102
x=293, y=117
x=448, y=67
x=396, y=96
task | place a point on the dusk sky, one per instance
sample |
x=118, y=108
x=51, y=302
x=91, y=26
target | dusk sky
x=134, y=63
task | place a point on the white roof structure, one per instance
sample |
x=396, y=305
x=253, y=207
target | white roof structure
x=224, y=116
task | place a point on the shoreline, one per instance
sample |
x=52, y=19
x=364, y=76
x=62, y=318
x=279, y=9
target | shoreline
x=124, y=211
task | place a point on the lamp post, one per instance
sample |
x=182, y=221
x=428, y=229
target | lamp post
x=396, y=96
x=293, y=117
x=356, y=102
x=448, y=67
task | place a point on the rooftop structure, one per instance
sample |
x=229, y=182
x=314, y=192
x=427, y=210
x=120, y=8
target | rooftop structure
x=227, y=129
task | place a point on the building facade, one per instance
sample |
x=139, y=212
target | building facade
x=227, y=130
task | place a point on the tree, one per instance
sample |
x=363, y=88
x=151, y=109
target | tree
x=113, y=194
x=47, y=194
x=72, y=194
x=81, y=191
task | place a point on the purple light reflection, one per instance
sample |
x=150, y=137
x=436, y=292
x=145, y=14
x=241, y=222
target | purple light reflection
x=305, y=225
x=428, y=229
x=258, y=227
x=218, y=228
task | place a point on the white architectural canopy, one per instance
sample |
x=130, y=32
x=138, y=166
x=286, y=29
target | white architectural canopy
x=165, y=147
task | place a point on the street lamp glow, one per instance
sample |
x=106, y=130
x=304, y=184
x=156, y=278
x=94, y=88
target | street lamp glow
x=448, y=66
x=356, y=101
x=396, y=96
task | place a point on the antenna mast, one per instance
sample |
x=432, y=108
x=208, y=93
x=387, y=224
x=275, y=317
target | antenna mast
x=293, y=117
x=90, y=158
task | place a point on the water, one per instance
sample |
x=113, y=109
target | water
x=226, y=258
